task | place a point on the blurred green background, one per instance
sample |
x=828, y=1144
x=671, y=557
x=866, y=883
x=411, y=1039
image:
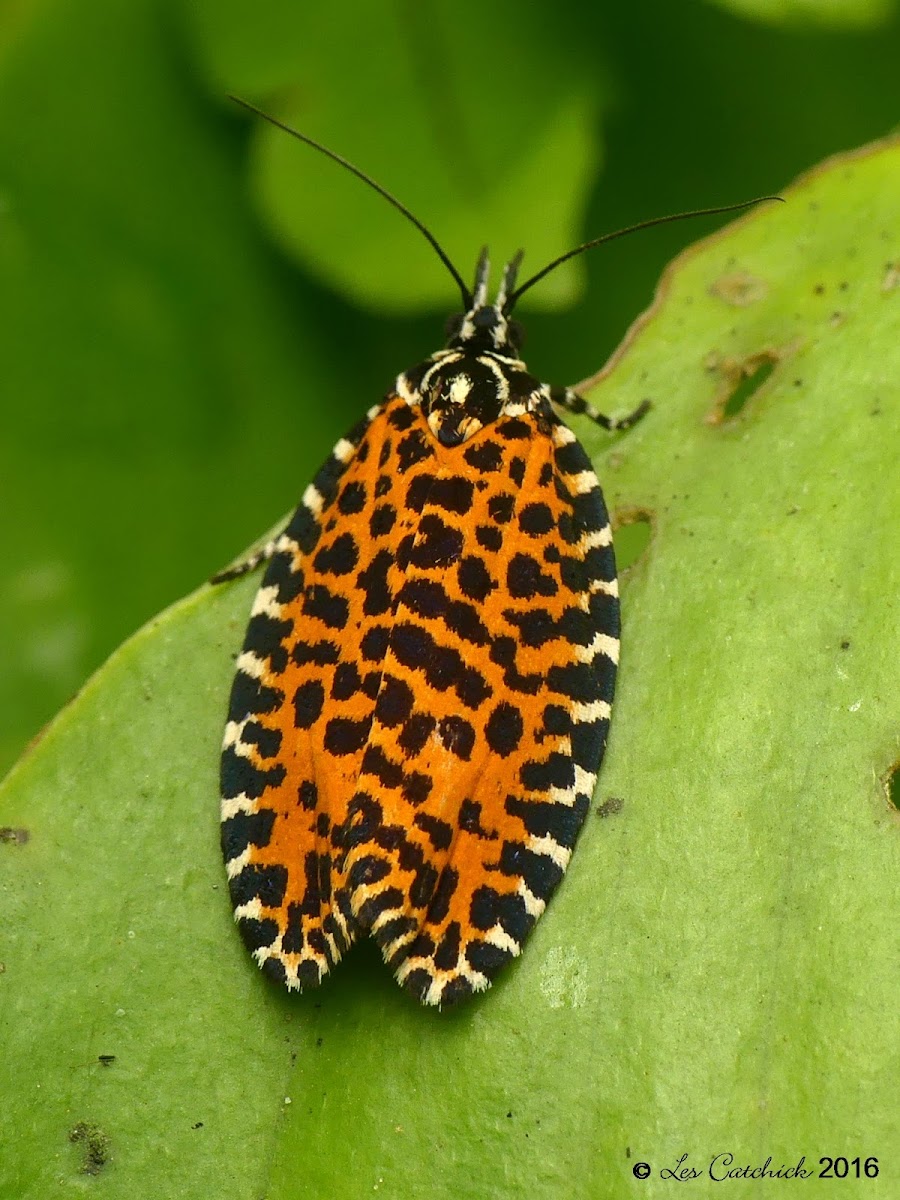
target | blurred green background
x=193, y=307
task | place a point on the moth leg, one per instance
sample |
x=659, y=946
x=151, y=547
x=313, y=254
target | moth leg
x=250, y=563
x=570, y=401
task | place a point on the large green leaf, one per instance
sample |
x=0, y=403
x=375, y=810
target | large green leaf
x=829, y=14
x=156, y=345
x=423, y=104
x=718, y=973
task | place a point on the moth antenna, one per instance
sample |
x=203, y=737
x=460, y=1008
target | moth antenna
x=302, y=137
x=482, y=271
x=509, y=279
x=608, y=237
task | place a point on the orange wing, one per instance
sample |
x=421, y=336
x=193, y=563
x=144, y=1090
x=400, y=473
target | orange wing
x=422, y=702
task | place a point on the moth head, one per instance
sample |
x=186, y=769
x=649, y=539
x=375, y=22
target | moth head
x=462, y=394
x=488, y=327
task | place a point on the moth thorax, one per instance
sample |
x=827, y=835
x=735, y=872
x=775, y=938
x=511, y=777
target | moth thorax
x=462, y=396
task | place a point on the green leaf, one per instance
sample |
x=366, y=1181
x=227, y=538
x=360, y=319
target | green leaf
x=150, y=344
x=827, y=14
x=718, y=973
x=423, y=106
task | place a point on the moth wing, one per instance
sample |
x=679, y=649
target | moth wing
x=493, y=711
x=277, y=819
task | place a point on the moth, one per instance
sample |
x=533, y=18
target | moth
x=423, y=697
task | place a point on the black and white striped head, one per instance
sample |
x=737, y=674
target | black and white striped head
x=488, y=326
x=470, y=383
x=479, y=376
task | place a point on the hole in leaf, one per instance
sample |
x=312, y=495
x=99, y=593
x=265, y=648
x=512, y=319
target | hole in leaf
x=892, y=785
x=741, y=380
x=753, y=375
x=633, y=528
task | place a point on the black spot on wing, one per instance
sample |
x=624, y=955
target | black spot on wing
x=250, y=696
x=556, y=771
x=536, y=519
x=457, y=735
x=364, y=872
x=561, y=822
x=571, y=459
x=303, y=528
x=428, y=598
x=489, y=908
x=437, y=544
x=402, y=417
x=604, y=610
x=539, y=872
x=525, y=579
x=375, y=643
x=246, y=829
x=267, y=741
x=411, y=449
x=254, y=881
x=504, y=729
x=536, y=626
x=344, y=735
x=308, y=795
x=503, y=652
x=443, y=894
x=418, y=982
x=470, y=820
x=485, y=456
x=517, y=471
x=452, y=493
x=446, y=956
x=415, y=733
x=264, y=637
x=417, y=492
x=423, y=885
x=442, y=666
x=474, y=578
x=339, y=557
x=577, y=573
x=373, y=581
x=514, y=429
x=281, y=575
x=382, y=520
x=395, y=702
x=352, y=498
x=319, y=654
x=486, y=958
x=588, y=741
x=257, y=934
x=440, y=834
x=489, y=537
x=239, y=776
x=332, y=610
x=309, y=700
x=501, y=507
x=578, y=627
x=455, y=989
x=347, y=681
